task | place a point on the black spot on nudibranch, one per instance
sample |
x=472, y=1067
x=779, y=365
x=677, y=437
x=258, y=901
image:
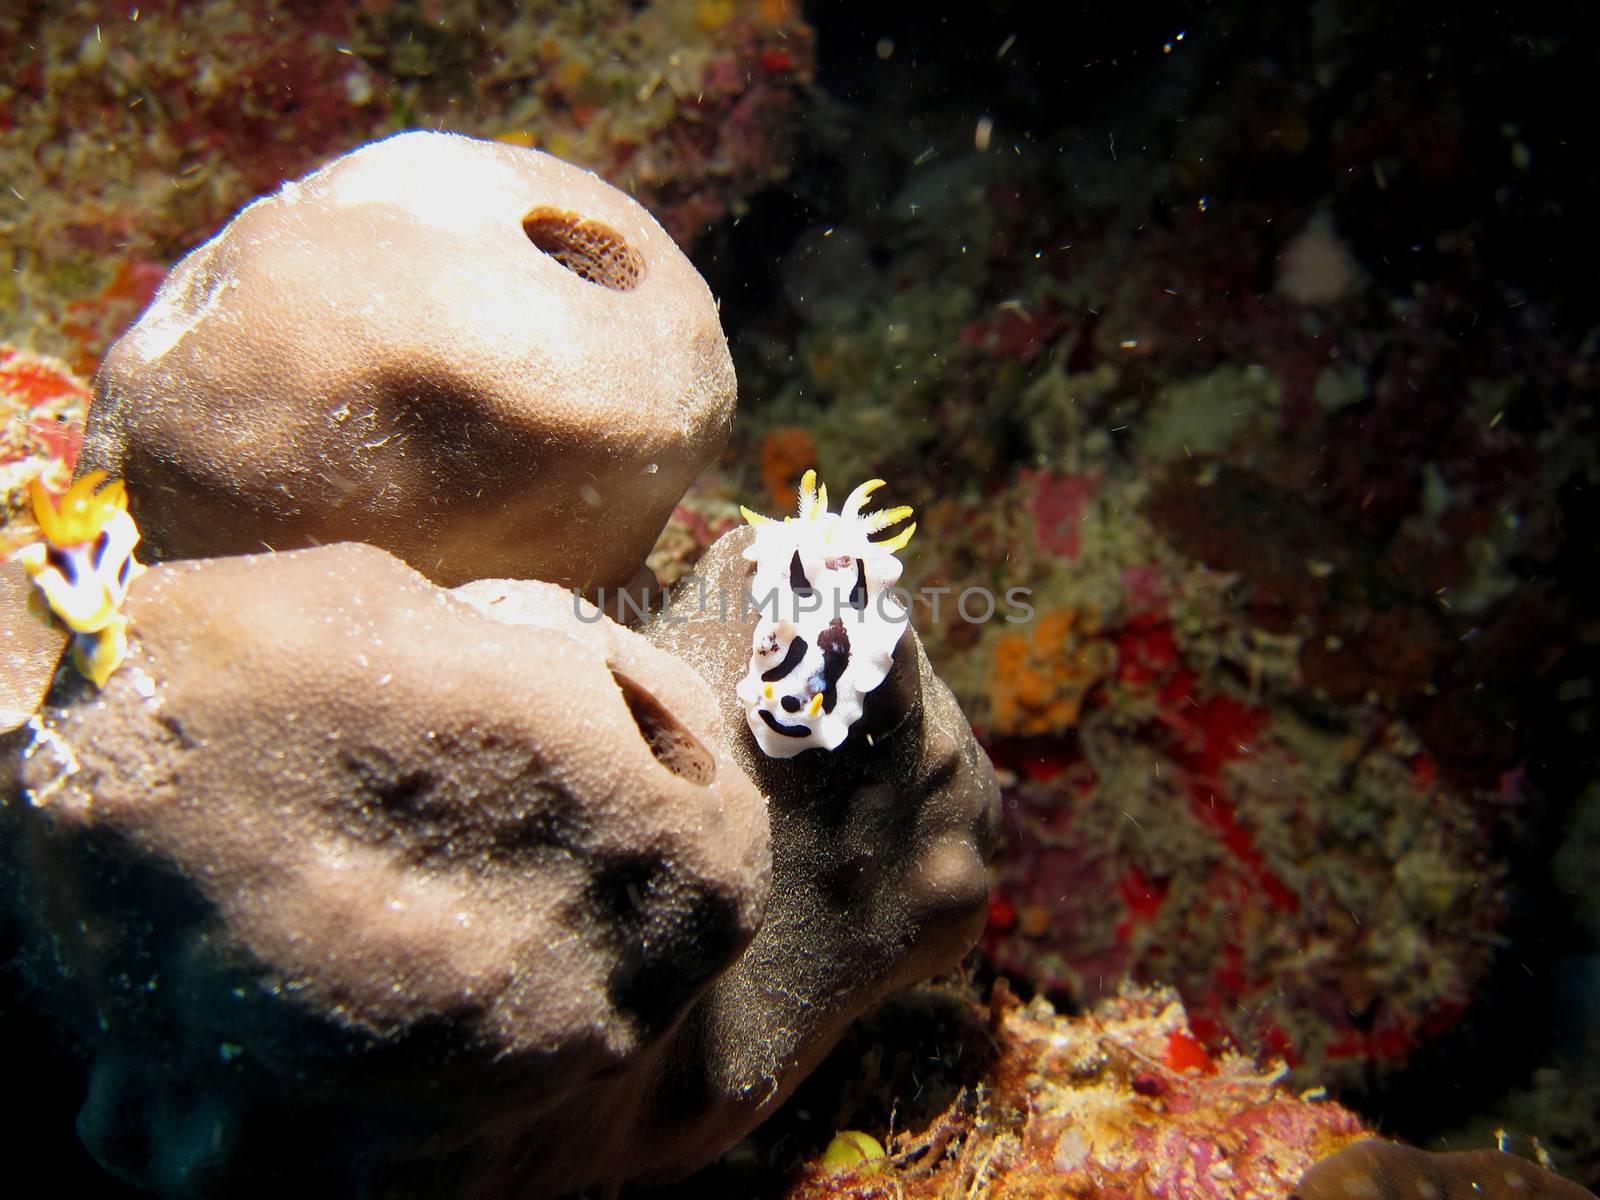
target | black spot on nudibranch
x=858, y=594
x=790, y=703
x=777, y=727
x=797, y=651
x=62, y=563
x=798, y=583
x=835, y=645
x=97, y=555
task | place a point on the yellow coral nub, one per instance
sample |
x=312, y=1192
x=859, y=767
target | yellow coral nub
x=82, y=566
x=853, y=1150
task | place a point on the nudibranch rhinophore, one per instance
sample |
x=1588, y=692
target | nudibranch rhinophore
x=830, y=620
x=82, y=565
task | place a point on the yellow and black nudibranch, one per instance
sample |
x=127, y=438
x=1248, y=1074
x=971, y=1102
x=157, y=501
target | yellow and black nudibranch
x=830, y=620
x=81, y=568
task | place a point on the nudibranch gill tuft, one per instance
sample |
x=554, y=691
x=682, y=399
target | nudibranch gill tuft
x=830, y=620
x=82, y=565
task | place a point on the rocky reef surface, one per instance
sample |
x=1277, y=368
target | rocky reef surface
x=1242, y=351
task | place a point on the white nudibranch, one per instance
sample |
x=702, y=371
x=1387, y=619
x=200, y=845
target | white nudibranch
x=81, y=568
x=829, y=623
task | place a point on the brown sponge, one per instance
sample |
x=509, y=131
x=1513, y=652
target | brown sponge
x=348, y=870
x=481, y=358
x=1379, y=1170
x=30, y=649
x=879, y=853
x=360, y=886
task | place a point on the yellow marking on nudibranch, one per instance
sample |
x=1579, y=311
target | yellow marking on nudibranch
x=808, y=496
x=813, y=507
x=81, y=513
x=815, y=706
x=898, y=542
x=767, y=691
x=856, y=499
x=99, y=655
x=888, y=517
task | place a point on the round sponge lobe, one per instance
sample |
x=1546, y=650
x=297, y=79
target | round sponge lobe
x=481, y=358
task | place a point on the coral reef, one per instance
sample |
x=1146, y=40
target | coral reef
x=129, y=134
x=42, y=410
x=534, y=411
x=1042, y=678
x=1297, y=485
x=1119, y=1102
x=1248, y=347
x=787, y=453
x=1172, y=821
